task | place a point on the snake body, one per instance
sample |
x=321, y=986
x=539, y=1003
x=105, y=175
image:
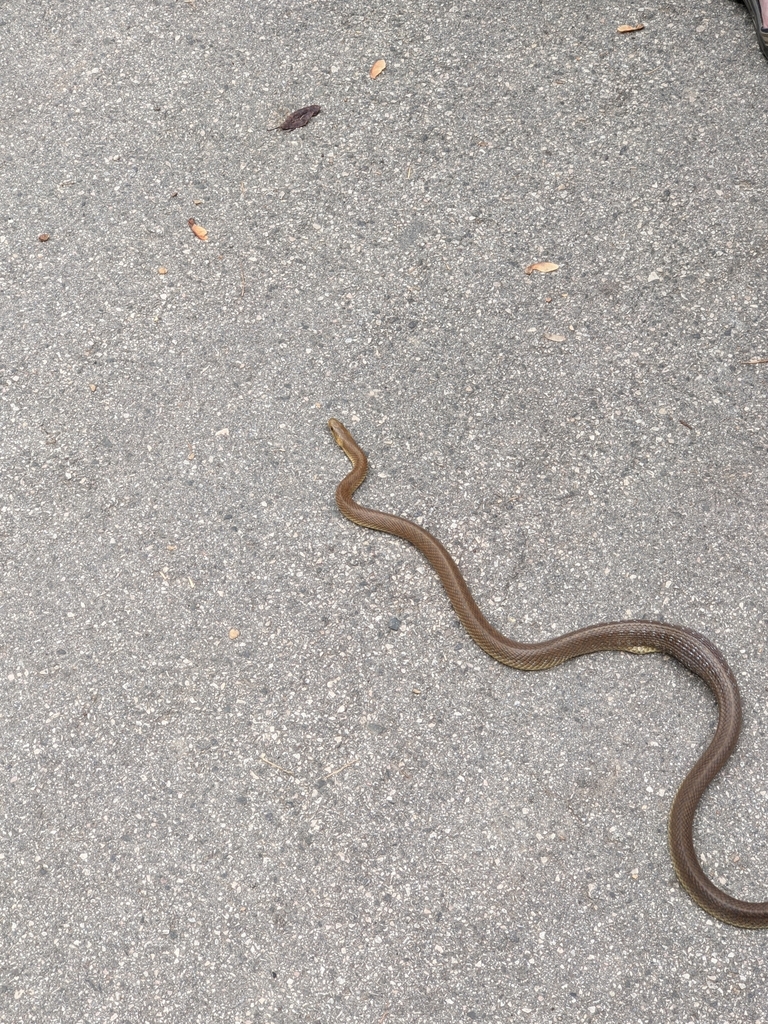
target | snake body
x=690, y=648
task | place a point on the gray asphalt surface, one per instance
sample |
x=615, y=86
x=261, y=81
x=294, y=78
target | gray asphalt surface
x=252, y=770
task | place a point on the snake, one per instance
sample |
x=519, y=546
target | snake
x=635, y=636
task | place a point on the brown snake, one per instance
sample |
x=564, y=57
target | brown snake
x=637, y=636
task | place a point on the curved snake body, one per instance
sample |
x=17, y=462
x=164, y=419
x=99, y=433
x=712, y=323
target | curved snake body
x=690, y=648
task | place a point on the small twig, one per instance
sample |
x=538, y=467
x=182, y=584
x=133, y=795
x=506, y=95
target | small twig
x=337, y=770
x=278, y=766
x=385, y=1014
x=242, y=286
x=685, y=424
x=753, y=361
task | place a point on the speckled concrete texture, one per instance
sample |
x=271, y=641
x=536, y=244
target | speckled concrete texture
x=251, y=769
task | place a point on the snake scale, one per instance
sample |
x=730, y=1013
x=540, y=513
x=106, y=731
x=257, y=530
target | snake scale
x=637, y=636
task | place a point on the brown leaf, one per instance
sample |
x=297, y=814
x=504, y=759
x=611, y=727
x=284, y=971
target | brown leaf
x=201, y=233
x=162, y=270
x=297, y=119
x=631, y=28
x=43, y=238
x=555, y=337
x=234, y=634
x=377, y=68
x=542, y=268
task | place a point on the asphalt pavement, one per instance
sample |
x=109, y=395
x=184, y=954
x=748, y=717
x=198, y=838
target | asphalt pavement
x=252, y=771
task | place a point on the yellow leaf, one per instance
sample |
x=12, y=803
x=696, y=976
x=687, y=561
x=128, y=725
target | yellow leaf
x=542, y=268
x=201, y=233
x=377, y=68
x=631, y=28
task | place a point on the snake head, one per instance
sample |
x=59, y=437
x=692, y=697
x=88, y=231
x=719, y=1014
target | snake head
x=343, y=438
x=349, y=446
x=338, y=430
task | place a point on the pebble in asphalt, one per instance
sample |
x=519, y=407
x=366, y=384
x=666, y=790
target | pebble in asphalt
x=231, y=790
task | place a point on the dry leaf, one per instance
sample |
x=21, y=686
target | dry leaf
x=234, y=634
x=162, y=270
x=43, y=238
x=542, y=268
x=92, y=387
x=631, y=28
x=377, y=68
x=201, y=233
x=297, y=119
x=224, y=432
x=555, y=337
